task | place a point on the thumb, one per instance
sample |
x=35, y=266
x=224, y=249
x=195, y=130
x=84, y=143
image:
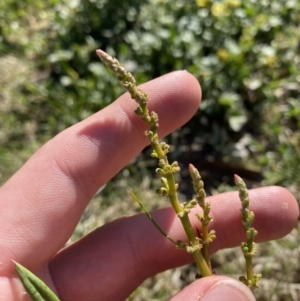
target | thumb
x=215, y=288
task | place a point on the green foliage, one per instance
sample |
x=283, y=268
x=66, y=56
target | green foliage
x=244, y=53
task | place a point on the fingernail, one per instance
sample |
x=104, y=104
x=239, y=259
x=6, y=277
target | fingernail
x=228, y=290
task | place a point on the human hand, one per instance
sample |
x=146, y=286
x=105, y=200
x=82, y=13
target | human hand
x=43, y=202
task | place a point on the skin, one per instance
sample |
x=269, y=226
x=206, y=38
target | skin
x=42, y=203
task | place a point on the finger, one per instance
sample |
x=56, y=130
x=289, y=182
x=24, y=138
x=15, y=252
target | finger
x=42, y=203
x=215, y=288
x=116, y=258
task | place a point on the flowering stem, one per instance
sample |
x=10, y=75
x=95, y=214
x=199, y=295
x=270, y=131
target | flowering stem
x=160, y=149
x=248, y=259
x=248, y=247
x=205, y=250
x=206, y=236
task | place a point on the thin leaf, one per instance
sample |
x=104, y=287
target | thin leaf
x=153, y=221
x=34, y=286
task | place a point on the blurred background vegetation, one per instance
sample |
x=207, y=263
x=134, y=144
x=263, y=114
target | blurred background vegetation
x=245, y=54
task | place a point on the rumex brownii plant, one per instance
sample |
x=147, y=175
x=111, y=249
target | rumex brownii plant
x=248, y=248
x=197, y=246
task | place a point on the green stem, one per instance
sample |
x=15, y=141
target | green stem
x=185, y=221
x=204, y=218
x=248, y=248
x=205, y=250
x=248, y=259
x=187, y=226
x=199, y=259
x=129, y=83
x=161, y=155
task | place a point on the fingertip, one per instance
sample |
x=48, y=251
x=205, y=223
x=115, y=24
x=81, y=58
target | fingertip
x=215, y=288
x=188, y=86
x=274, y=203
x=228, y=290
x=192, y=82
x=289, y=205
x=289, y=202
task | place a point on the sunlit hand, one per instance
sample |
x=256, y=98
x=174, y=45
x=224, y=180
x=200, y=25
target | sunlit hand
x=43, y=202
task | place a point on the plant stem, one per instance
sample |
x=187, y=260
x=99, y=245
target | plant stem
x=183, y=216
x=160, y=149
x=199, y=259
x=204, y=218
x=205, y=250
x=248, y=259
x=248, y=248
